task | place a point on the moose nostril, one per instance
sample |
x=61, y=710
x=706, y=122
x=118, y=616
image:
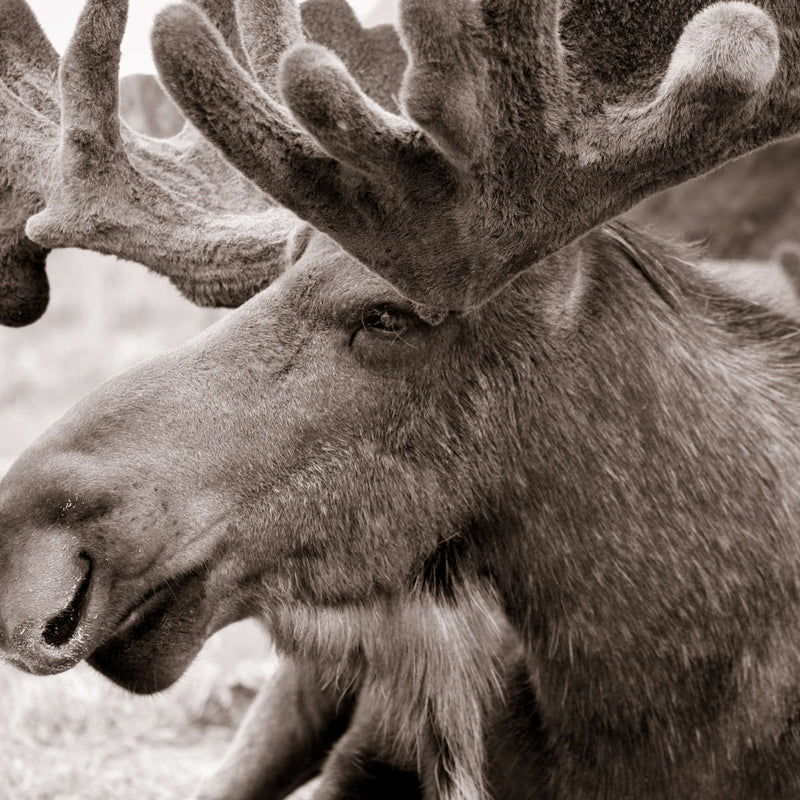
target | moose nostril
x=61, y=628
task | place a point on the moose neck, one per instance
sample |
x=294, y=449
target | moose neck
x=653, y=557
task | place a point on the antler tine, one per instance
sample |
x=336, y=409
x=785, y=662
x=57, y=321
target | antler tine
x=175, y=206
x=254, y=30
x=374, y=56
x=268, y=27
x=92, y=154
x=720, y=69
x=250, y=128
x=256, y=134
x=520, y=145
x=348, y=125
x=222, y=13
x=28, y=62
x=280, y=158
x=28, y=66
x=443, y=83
x=88, y=76
x=445, y=86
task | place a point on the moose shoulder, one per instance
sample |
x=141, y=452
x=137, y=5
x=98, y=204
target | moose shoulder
x=514, y=480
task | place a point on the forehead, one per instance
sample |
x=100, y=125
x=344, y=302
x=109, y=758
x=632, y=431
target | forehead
x=326, y=278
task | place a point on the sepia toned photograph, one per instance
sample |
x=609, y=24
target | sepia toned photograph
x=399, y=400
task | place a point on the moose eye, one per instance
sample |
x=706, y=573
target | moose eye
x=387, y=321
x=386, y=336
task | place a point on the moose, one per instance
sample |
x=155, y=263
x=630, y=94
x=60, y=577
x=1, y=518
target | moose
x=512, y=485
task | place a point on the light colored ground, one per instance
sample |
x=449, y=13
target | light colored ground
x=77, y=737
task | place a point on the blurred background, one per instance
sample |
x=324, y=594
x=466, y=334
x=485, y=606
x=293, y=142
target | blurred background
x=76, y=737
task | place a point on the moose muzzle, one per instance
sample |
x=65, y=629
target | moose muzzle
x=103, y=555
x=46, y=577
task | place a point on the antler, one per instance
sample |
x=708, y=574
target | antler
x=28, y=65
x=176, y=206
x=525, y=125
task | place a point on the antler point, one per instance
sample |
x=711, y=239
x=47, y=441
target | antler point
x=734, y=43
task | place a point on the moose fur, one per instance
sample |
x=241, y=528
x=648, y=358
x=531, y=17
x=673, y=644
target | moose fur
x=627, y=643
x=513, y=483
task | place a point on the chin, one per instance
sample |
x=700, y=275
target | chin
x=158, y=638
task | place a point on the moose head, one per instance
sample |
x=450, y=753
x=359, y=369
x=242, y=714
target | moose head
x=459, y=413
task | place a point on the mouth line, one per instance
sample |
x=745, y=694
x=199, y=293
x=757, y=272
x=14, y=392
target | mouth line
x=146, y=612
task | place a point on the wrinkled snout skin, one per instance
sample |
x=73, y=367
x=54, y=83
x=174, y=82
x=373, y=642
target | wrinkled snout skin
x=266, y=464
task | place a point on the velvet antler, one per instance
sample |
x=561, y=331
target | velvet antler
x=28, y=66
x=176, y=206
x=523, y=127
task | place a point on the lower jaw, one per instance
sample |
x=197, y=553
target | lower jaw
x=158, y=642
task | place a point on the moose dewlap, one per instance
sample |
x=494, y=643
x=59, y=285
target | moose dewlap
x=512, y=485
